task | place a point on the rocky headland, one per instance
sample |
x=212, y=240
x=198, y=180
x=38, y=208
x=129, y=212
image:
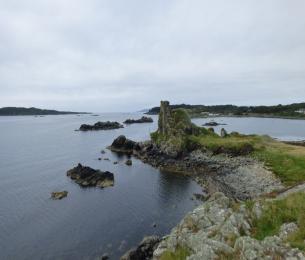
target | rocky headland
x=143, y=119
x=245, y=177
x=226, y=169
x=88, y=177
x=101, y=126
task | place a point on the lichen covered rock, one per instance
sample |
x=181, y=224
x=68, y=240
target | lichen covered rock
x=220, y=229
x=173, y=128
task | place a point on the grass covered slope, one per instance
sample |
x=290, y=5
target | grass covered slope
x=176, y=135
x=278, y=212
x=286, y=161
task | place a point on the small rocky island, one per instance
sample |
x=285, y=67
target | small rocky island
x=58, y=195
x=212, y=123
x=101, y=126
x=252, y=211
x=88, y=177
x=143, y=119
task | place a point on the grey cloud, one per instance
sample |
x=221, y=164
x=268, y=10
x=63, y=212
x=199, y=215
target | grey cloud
x=93, y=55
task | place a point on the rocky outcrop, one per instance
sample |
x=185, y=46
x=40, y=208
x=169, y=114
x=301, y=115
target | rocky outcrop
x=220, y=229
x=143, y=119
x=212, y=123
x=128, y=162
x=144, y=251
x=173, y=128
x=223, y=132
x=101, y=126
x=239, y=177
x=165, y=116
x=58, y=195
x=122, y=144
x=88, y=177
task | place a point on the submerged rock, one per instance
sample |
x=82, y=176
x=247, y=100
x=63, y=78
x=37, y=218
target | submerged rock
x=143, y=119
x=144, y=250
x=58, y=195
x=88, y=177
x=101, y=126
x=128, y=162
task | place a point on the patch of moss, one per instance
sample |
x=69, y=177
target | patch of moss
x=181, y=253
x=180, y=116
x=278, y=212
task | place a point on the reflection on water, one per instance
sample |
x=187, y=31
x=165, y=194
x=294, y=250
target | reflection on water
x=35, y=154
x=89, y=222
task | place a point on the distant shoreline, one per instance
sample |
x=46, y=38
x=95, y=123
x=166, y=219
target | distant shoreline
x=32, y=111
x=250, y=116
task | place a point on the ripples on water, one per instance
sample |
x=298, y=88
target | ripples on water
x=35, y=154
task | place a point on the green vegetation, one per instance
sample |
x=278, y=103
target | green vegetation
x=181, y=253
x=278, y=212
x=289, y=167
x=22, y=111
x=289, y=111
x=286, y=161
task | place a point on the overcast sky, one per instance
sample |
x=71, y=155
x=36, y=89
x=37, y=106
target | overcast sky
x=118, y=55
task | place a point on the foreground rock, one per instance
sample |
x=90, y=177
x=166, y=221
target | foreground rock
x=88, y=177
x=101, y=126
x=144, y=250
x=58, y=195
x=219, y=230
x=143, y=119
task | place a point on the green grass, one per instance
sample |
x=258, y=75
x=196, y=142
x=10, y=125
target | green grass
x=278, y=212
x=181, y=253
x=288, y=167
x=286, y=161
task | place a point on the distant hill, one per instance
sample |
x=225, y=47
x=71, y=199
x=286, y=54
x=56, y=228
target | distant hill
x=296, y=110
x=32, y=111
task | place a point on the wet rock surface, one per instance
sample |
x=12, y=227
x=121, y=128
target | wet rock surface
x=88, y=177
x=122, y=144
x=143, y=119
x=144, y=251
x=101, y=126
x=218, y=229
